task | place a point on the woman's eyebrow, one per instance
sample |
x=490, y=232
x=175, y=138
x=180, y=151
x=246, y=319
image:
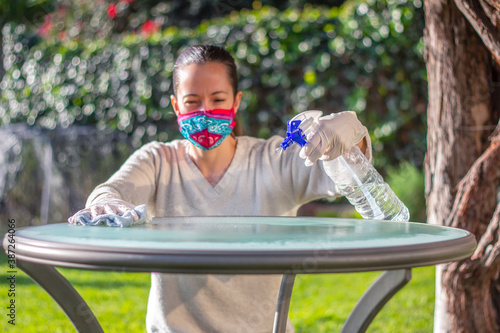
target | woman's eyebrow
x=189, y=95
x=219, y=92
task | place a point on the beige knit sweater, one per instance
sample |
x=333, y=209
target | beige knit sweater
x=260, y=181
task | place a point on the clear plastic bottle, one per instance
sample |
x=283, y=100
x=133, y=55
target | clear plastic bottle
x=365, y=189
x=356, y=178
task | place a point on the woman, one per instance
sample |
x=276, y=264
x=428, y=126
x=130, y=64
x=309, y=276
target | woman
x=214, y=172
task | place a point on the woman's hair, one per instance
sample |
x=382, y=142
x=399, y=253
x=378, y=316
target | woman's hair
x=201, y=54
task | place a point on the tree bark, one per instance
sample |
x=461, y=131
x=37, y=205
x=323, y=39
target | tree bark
x=462, y=114
x=472, y=285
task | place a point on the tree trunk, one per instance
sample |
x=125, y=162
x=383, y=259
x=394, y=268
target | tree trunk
x=462, y=113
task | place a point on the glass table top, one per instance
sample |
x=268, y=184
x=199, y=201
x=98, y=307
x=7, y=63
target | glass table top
x=247, y=234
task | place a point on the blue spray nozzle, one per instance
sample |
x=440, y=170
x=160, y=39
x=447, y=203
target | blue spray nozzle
x=293, y=134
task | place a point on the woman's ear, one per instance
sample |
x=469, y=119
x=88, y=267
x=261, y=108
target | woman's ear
x=237, y=100
x=175, y=105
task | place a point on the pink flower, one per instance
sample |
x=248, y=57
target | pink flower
x=62, y=35
x=149, y=27
x=61, y=11
x=48, y=18
x=44, y=30
x=112, y=10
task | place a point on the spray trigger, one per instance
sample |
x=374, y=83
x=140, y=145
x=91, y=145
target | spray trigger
x=293, y=134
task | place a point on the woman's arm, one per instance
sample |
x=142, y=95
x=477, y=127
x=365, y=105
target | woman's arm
x=133, y=184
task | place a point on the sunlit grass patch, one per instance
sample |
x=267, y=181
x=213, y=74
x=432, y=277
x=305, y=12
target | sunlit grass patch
x=320, y=303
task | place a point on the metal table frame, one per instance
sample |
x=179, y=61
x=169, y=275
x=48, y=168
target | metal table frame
x=39, y=265
x=84, y=320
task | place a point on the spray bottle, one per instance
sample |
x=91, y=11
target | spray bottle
x=353, y=174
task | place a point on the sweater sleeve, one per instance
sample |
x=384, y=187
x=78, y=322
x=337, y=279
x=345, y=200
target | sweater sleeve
x=298, y=183
x=133, y=183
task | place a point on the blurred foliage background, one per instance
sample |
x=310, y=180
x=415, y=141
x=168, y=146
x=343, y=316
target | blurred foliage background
x=108, y=63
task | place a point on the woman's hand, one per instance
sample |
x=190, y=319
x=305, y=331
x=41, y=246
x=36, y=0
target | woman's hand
x=336, y=134
x=112, y=207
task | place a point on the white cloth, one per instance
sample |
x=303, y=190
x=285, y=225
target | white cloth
x=260, y=181
x=111, y=220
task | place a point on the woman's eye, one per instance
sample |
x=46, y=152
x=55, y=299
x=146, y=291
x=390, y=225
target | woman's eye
x=220, y=100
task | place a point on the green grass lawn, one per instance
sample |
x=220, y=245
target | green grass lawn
x=320, y=303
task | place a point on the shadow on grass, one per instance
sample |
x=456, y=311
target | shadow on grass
x=114, y=283
x=90, y=279
x=20, y=279
x=106, y=284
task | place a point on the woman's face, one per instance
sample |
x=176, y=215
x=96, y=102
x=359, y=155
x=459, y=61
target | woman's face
x=204, y=87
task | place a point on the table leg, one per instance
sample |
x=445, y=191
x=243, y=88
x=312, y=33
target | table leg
x=64, y=294
x=374, y=299
x=281, y=315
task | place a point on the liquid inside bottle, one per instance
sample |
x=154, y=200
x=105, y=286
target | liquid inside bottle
x=365, y=189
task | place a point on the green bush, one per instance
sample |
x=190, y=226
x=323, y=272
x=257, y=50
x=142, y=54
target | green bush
x=365, y=56
x=407, y=181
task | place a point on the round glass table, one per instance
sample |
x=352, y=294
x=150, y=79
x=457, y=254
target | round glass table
x=240, y=245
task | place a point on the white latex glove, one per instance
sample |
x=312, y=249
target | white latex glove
x=336, y=134
x=111, y=207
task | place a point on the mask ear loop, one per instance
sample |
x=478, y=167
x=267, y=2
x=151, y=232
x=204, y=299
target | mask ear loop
x=233, y=116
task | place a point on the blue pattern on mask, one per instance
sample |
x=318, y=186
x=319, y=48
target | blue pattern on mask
x=219, y=127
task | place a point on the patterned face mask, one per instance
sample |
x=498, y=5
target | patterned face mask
x=206, y=129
